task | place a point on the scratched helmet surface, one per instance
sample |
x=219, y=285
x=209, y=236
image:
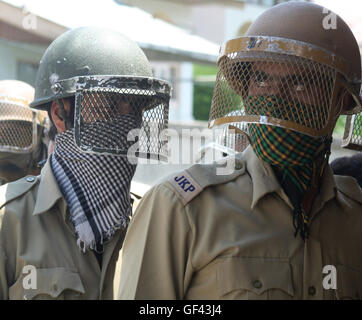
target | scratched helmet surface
x=111, y=80
x=86, y=51
x=289, y=70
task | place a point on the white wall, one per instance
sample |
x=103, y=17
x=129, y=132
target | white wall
x=12, y=52
x=186, y=94
x=180, y=14
x=209, y=22
x=235, y=18
x=181, y=102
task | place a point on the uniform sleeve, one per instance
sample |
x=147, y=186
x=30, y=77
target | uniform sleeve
x=8, y=249
x=3, y=278
x=3, y=260
x=155, y=258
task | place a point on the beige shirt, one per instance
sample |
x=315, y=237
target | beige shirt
x=35, y=231
x=203, y=236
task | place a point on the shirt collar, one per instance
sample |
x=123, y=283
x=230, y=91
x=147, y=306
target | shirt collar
x=327, y=190
x=264, y=181
x=262, y=176
x=48, y=192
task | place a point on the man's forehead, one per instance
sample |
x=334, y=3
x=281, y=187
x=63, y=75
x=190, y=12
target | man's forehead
x=276, y=68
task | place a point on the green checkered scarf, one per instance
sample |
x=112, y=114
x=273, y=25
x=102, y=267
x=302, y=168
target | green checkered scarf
x=291, y=154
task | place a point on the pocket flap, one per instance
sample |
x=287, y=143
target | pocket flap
x=349, y=283
x=49, y=281
x=255, y=274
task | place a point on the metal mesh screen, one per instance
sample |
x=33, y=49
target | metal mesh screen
x=17, y=128
x=352, y=138
x=234, y=136
x=273, y=89
x=108, y=115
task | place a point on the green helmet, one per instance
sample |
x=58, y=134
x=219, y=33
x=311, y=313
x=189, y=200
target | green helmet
x=86, y=51
x=103, y=70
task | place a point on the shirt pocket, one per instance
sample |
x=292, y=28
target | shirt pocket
x=51, y=283
x=349, y=283
x=255, y=279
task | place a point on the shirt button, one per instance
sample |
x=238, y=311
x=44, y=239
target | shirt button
x=238, y=166
x=257, y=284
x=311, y=290
x=30, y=179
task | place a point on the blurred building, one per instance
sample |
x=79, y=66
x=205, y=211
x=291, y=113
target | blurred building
x=28, y=27
x=216, y=21
x=21, y=44
x=176, y=35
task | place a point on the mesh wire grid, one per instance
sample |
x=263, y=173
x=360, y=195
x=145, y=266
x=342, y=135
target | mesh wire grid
x=17, y=127
x=274, y=89
x=352, y=138
x=234, y=136
x=108, y=115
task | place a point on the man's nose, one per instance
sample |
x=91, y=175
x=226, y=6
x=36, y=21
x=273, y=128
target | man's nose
x=124, y=108
x=276, y=86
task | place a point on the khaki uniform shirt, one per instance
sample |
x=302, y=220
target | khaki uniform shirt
x=204, y=236
x=35, y=231
x=138, y=190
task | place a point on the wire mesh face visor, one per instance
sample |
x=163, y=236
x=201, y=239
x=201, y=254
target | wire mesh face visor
x=278, y=82
x=233, y=135
x=18, y=126
x=352, y=138
x=121, y=115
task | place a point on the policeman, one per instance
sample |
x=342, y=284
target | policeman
x=65, y=228
x=349, y=166
x=280, y=226
x=22, y=132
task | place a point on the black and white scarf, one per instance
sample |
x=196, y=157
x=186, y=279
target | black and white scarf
x=96, y=188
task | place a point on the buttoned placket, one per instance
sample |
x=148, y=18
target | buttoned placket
x=313, y=264
x=109, y=249
x=62, y=206
x=56, y=202
x=313, y=260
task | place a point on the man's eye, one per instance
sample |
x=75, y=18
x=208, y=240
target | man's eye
x=261, y=80
x=299, y=84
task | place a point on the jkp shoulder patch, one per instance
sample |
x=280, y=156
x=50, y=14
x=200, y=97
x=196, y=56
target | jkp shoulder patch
x=191, y=182
x=185, y=186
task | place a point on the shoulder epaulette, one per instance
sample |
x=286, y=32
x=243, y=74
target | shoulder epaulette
x=13, y=190
x=192, y=181
x=349, y=187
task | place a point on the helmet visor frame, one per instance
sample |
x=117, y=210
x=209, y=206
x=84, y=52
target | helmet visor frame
x=135, y=107
x=18, y=126
x=325, y=71
x=352, y=138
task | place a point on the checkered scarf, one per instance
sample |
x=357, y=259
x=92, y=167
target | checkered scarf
x=96, y=188
x=291, y=154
